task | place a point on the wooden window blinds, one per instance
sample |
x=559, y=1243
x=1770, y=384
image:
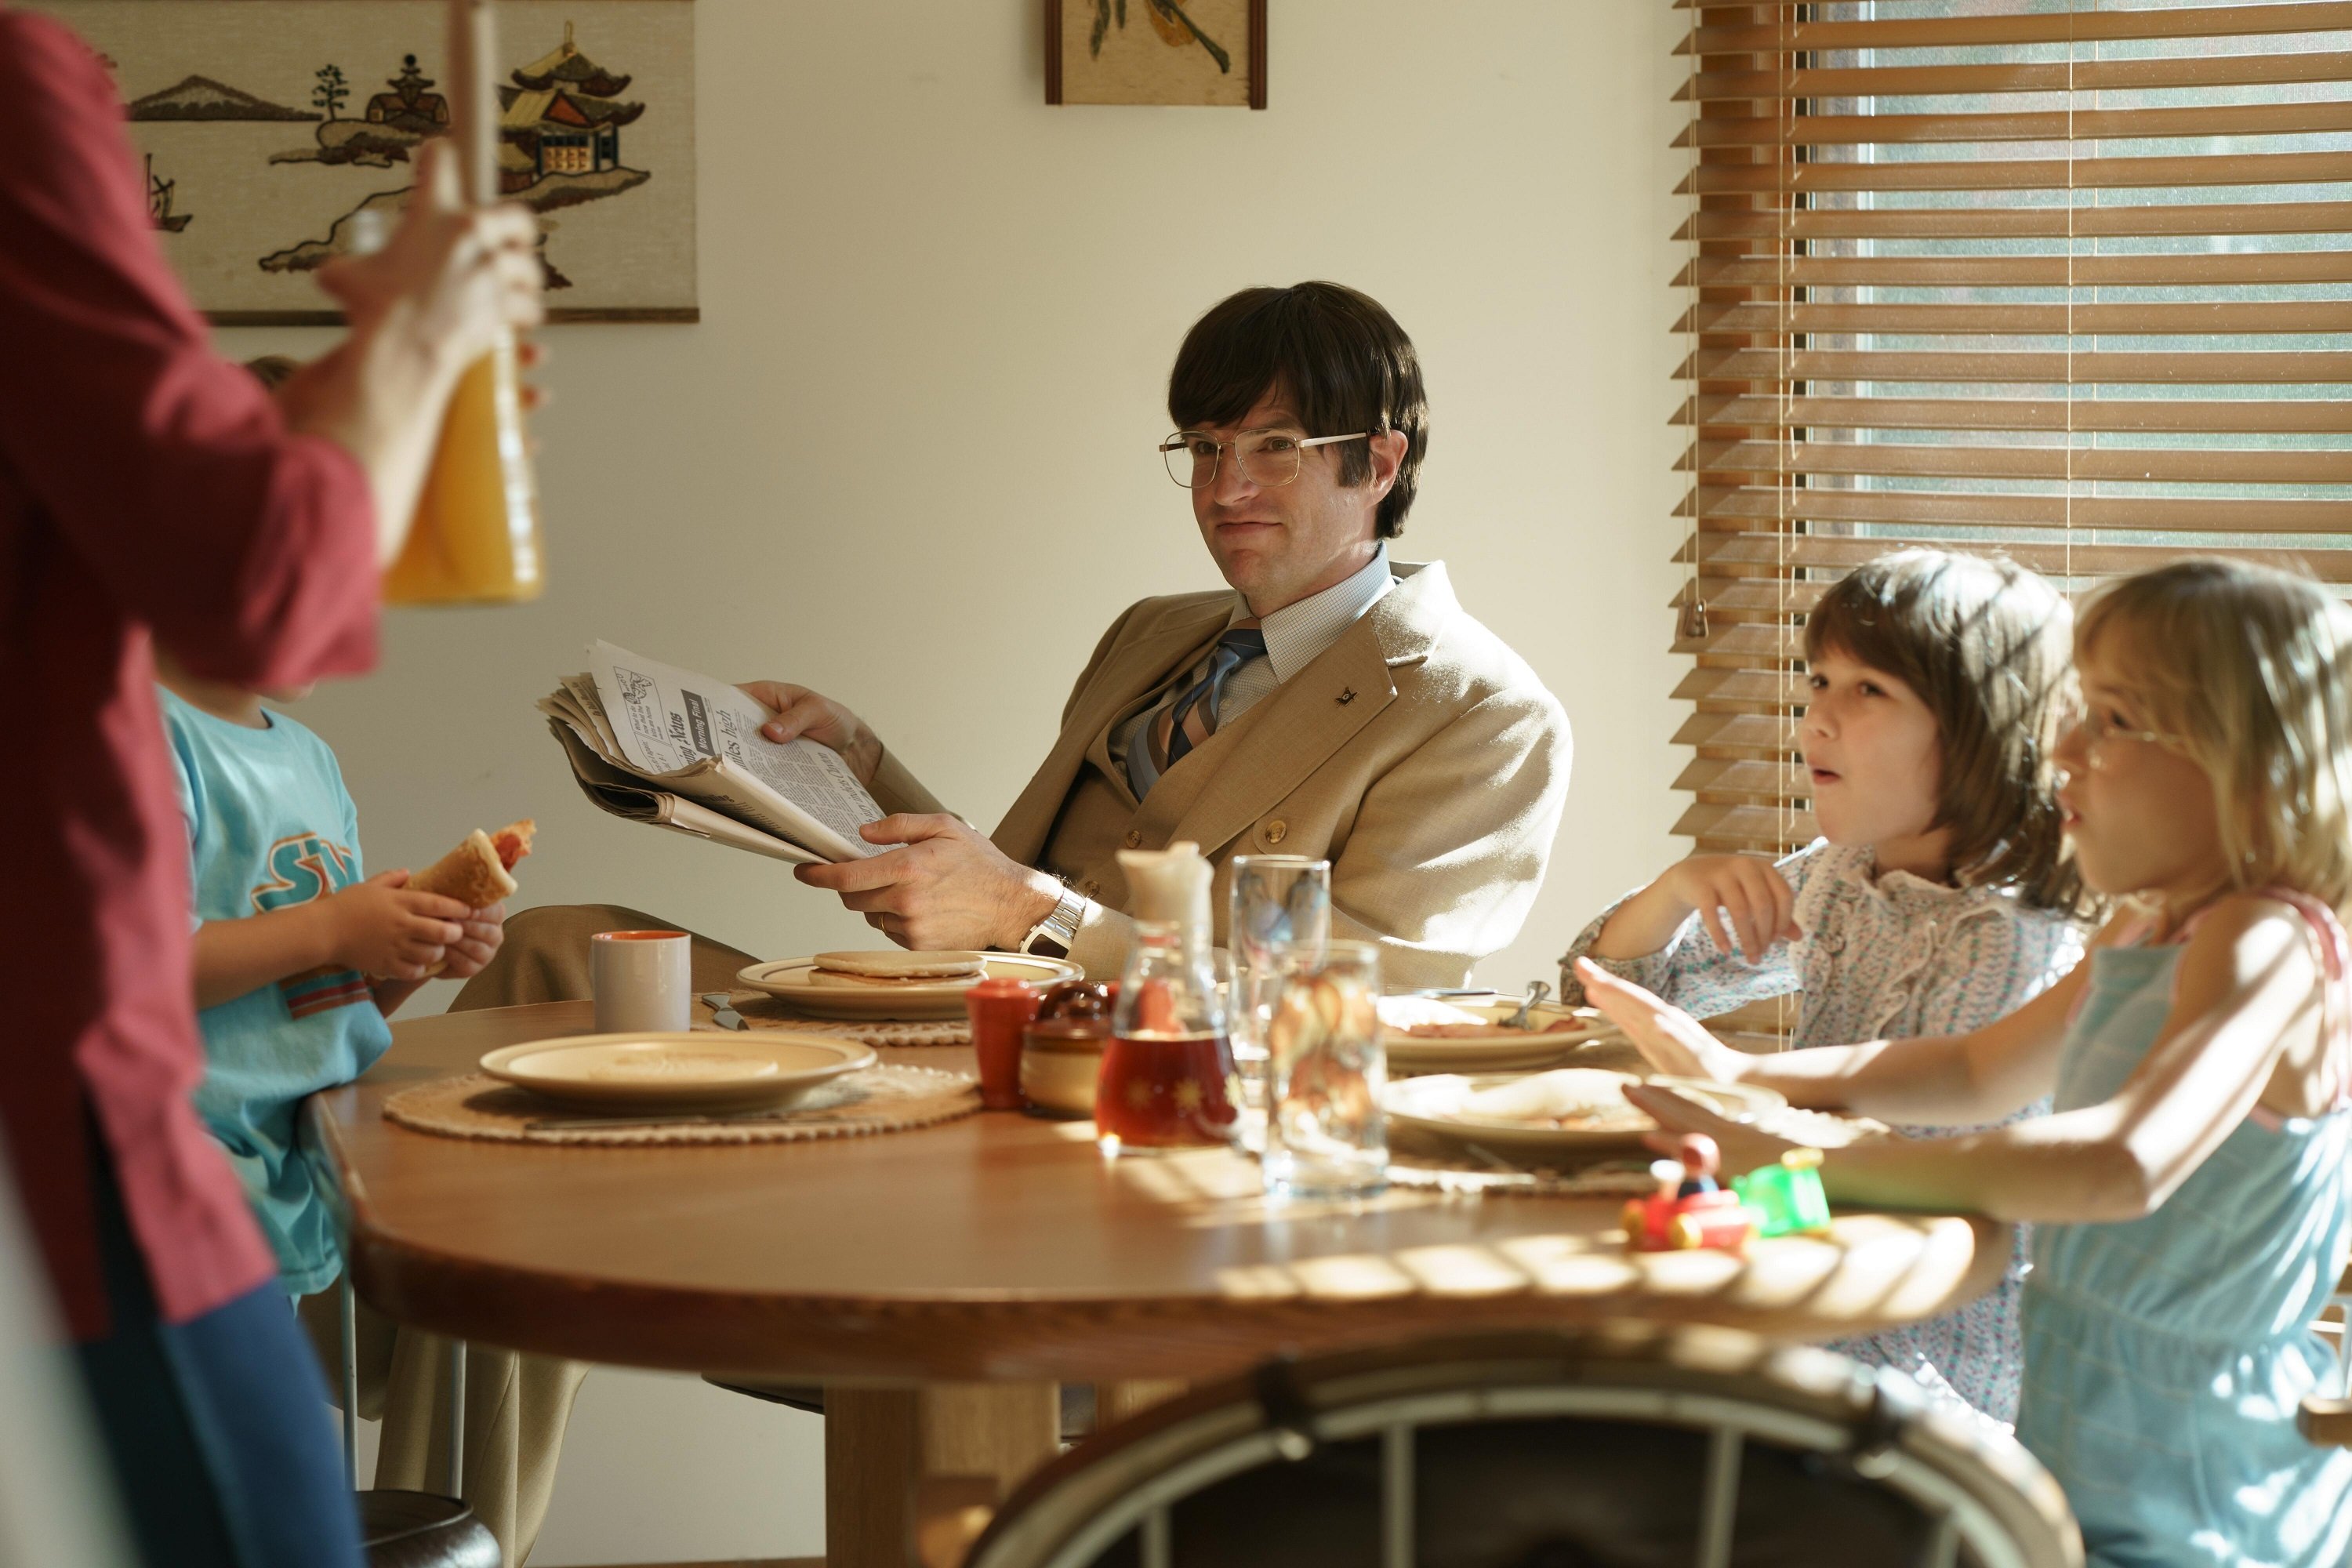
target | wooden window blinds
x=2069, y=282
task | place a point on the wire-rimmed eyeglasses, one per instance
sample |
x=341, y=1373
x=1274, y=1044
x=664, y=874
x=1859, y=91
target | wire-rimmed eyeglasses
x=1267, y=457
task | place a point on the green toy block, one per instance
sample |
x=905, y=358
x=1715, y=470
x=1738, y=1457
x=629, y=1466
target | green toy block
x=1787, y=1197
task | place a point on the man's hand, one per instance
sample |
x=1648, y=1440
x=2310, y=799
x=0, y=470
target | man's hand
x=803, y=714
x=1669, y=1039
x=949, y=888
x=471, y=954
x=381, y=927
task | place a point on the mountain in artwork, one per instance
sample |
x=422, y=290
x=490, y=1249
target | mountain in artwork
x=202, y=98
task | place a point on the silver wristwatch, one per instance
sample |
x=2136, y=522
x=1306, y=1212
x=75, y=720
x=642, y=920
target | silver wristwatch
x=1060, y=927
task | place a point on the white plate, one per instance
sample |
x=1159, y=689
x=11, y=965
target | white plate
x=799, y=982
x=1433, y=1105
x=704, y=1070
x=1409, y=1056
x=1500, y=1052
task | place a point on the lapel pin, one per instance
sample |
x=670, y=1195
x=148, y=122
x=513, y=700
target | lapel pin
x=1347, y=695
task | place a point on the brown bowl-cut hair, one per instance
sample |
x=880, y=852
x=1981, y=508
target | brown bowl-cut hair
x=1337, y=357
x=1986, y=646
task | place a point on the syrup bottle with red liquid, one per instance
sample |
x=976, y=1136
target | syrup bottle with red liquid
x=1166, y=1078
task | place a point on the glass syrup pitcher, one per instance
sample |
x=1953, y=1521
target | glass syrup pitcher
x=1166, y=1077
x=476, y=536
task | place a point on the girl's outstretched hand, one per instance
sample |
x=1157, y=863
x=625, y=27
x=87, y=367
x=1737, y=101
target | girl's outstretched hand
x=1670, y=1039
x=1743, y=1147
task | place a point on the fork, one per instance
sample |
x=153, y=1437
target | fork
x=1537, y=991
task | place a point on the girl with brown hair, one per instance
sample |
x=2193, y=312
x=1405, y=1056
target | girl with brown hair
x=1938, y=898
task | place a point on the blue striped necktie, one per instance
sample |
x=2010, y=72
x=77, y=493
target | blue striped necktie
x=1192, y=718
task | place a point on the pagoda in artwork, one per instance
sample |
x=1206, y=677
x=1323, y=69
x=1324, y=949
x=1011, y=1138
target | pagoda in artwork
x=563, y=116
x=408, y=106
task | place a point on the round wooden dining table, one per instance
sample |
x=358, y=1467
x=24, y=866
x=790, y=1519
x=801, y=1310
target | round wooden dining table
x=940, y=1282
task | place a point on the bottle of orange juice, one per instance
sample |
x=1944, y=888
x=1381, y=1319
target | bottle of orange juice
x=476, y=536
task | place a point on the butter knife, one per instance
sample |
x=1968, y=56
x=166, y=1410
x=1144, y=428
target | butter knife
x=722, y=1011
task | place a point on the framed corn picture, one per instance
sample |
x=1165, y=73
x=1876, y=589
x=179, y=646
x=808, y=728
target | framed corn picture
x=1210, y=53
x=270, y=129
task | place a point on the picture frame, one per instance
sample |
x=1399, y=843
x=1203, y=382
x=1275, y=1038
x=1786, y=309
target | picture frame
x=275, y=133
x=1202, y=53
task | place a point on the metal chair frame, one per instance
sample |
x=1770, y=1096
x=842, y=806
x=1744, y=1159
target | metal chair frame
x=347, y=1308
x=1237, y=1435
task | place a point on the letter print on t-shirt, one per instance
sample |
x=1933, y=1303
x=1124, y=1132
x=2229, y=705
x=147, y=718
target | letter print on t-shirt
x=303, y=868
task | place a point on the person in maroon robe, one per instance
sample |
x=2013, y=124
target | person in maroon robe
x=151, y=488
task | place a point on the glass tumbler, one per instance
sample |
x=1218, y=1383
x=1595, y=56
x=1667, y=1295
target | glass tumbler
x=1325, y=1070
x=1276, y=901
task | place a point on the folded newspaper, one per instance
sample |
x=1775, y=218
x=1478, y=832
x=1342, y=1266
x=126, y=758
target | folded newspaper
x=685, y=754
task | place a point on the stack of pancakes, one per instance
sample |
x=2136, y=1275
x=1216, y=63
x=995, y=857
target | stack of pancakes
x=891, y=967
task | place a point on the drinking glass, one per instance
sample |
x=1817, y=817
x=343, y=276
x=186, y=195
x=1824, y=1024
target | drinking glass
x=1326, y=1068
x=1277, y=901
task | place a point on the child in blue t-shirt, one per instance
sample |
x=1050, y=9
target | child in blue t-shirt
x=300, y=955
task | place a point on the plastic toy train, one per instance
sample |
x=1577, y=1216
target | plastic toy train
x=1690, y=1209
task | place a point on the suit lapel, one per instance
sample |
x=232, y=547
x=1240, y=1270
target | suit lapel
x=1129, y=677
x=1309, y=717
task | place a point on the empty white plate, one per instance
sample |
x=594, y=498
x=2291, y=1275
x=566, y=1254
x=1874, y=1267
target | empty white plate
x=699, y=1071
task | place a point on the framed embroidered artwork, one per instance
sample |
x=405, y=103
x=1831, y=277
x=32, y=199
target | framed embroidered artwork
x=1204, y=52
x=266, y=126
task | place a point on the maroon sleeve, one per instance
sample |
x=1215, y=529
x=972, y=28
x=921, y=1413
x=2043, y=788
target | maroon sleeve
x=248, y=549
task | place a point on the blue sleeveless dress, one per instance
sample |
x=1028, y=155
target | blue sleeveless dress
x=2165, y=1357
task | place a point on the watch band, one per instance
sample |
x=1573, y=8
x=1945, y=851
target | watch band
x=1060, y=926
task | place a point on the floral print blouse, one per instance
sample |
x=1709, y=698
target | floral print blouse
x=1888, y=957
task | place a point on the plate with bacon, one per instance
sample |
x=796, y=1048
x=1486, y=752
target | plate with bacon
x=1426, y=1034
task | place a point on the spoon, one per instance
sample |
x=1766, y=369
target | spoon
x=1537, y=991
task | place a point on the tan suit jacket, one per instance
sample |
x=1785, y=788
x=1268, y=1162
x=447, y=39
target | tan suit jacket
x=1418, y=753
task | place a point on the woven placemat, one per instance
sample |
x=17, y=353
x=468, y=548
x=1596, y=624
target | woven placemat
x=877, y=1099
x=762, y=1011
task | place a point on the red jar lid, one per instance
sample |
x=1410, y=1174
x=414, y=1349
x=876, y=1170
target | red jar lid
x=999, y=985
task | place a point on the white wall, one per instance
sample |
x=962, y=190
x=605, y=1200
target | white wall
x=906, y=458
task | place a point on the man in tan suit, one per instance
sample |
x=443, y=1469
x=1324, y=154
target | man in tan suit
x=1328, y=704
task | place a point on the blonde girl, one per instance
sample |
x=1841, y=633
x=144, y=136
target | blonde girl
x=2189, y=1189
x=1939, y=896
